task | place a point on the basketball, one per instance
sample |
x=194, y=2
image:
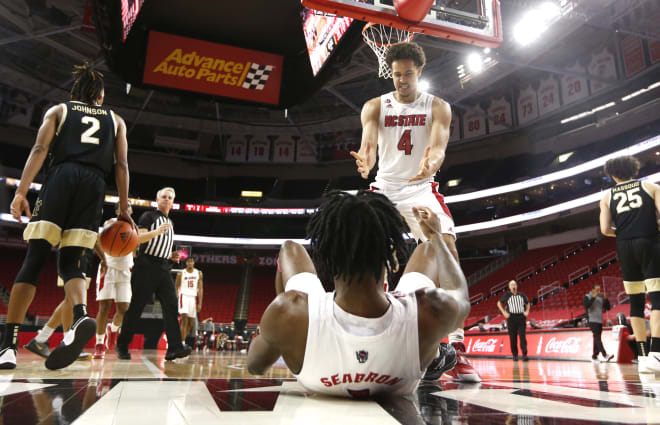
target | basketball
x=118, y=239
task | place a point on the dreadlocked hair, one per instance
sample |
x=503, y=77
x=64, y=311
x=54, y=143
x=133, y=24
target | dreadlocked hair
x=88, y=83
x=357, y=236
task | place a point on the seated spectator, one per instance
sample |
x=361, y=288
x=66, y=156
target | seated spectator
x=533, y=325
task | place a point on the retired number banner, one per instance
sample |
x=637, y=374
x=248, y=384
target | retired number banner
x=217, y=69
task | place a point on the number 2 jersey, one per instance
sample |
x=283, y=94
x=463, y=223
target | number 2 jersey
x=404, y=131
x=633, y=211
x=85, y=135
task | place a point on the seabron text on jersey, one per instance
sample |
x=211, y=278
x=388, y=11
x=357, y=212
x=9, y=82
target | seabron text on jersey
x=357, y=378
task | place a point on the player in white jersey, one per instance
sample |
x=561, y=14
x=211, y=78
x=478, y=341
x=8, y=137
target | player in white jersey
x=113, y=283
x=409, y=130
x=359, y=341
x=190, y=288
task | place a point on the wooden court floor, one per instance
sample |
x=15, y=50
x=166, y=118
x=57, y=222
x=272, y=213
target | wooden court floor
x=215, y=388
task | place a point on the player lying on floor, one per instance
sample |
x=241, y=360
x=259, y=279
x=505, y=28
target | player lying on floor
x=358, y=340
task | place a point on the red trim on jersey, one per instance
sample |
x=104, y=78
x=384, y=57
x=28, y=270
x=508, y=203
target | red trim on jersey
x=440, y=198
x=101, y=282
x=180, y=300
x=373, y=188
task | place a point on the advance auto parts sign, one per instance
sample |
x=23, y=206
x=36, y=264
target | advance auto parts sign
x=217, y=69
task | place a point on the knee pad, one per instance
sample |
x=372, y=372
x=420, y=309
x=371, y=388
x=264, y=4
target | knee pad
x=35, y=259
x=71, y=264
x=637, y=302
x=655, y=300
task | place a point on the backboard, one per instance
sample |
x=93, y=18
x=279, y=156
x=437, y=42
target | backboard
x=475, y=22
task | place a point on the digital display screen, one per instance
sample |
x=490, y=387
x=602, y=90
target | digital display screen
x=129, y=12
x=322, y=34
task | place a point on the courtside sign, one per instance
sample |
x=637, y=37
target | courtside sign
x=212, y=68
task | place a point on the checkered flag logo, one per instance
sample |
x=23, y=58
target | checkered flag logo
x=257, y=77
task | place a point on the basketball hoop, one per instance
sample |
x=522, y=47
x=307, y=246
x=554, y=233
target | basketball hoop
x=380, y=38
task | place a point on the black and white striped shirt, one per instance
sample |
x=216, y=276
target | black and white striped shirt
x=161, y=245
x=515, y=304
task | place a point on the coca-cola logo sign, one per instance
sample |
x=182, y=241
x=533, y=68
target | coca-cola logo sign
x=487, y=346
x=570, y=345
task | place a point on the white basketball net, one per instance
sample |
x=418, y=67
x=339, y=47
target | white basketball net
x=380, y=38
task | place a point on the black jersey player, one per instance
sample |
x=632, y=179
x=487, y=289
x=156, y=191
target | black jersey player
x=84, y=140
x=628, y=211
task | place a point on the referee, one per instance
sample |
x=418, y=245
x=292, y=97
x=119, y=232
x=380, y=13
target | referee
x=151, y=275
x=517, y=309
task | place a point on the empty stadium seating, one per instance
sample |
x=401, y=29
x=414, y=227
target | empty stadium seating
x=263, y=292
x=565, y=272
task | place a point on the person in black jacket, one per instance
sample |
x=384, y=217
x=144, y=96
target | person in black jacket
x=596, y=302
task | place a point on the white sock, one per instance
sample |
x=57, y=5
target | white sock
x=100, y=338
x=113, y=327
x=44, y=334
x=456, y=336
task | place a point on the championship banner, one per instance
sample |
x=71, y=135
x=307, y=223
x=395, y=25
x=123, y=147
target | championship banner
x=212, y=68
x=654, y=44
x=566, y=345
x=633, y=55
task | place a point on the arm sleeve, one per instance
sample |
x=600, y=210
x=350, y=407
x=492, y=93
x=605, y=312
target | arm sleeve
x=414, y=281
x=606, y=305
x=587, y=301
x=308, y=283
x=146, y=220
x=505, y=298
x=526, y=299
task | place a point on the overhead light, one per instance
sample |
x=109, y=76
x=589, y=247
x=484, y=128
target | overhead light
x=534, y=22
x=487, y=50
x=550, y=10
x=251, y=194
x=453, y=183
x=423, y=85
x=638, y=92
x=657, y=154
x=564, y=157
x=475, y=63
x=587, y=113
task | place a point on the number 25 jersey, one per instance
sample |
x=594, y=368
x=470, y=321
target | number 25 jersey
x=633, y=211
x=404, y=131
x=85, y=135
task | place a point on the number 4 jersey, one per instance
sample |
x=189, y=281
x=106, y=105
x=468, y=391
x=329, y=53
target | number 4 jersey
x=633, y=210
x=404, y=131
x=85, y=135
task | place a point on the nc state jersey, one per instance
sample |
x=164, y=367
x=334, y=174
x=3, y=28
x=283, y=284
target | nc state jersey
x=189, y=282
x=404, y=131
x=341, y=363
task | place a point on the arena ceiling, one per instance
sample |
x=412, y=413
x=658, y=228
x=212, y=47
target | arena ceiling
x=41, y=40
